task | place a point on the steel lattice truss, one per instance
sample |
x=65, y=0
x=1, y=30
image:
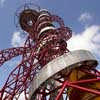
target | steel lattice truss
x=44, y=43
x=20, y=78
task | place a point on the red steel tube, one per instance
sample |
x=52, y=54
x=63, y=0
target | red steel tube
x=83, y=89
x=61, y=91
x=86, y=81
x=73, y=85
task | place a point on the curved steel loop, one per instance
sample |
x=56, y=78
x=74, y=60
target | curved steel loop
x=58, y=19
x=8, y=54
x=18, y=78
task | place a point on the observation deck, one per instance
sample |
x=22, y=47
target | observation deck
x=62, y=64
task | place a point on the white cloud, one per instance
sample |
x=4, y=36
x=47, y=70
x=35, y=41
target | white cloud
x=2, y=2
x=17, y=39
x=84, y=17
x=89, y=39
x=21, y=97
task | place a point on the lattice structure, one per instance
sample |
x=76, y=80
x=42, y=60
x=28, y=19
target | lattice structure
x=46, y=43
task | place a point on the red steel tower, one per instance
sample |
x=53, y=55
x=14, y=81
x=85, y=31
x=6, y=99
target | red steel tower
x=48, y=70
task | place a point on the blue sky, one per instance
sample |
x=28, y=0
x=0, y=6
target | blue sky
x=83, y=16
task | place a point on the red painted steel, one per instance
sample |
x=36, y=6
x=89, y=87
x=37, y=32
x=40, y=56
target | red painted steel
x=7, y=54
x=76, y=84
x=45, y=42
x=20, y=78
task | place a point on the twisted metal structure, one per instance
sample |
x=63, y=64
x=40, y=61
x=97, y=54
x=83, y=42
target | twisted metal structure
x=45, y=45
